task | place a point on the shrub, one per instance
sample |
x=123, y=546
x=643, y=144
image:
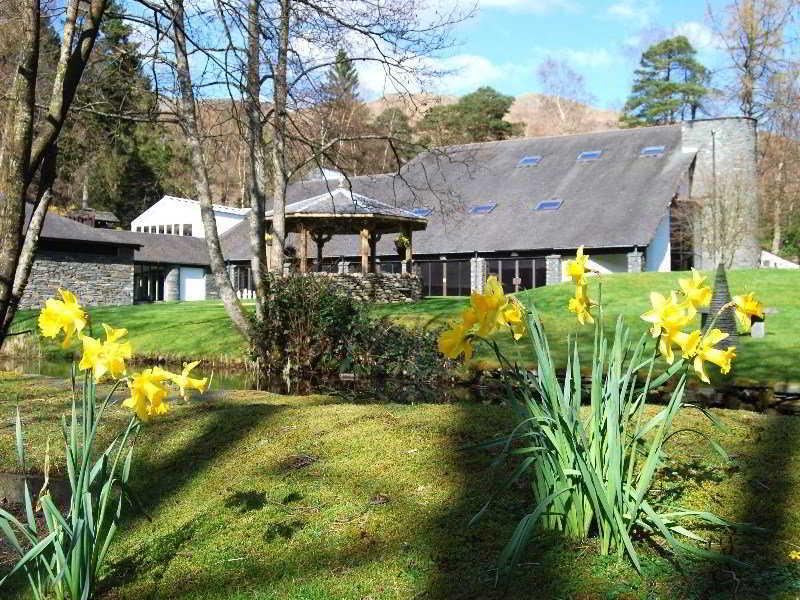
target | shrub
x=312, y=329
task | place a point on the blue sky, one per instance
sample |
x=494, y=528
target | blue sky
x=601, y=39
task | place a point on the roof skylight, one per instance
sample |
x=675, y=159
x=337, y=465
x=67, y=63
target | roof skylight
x=553, y=204
x=421, y=211
x=529, y=161
x=482, y=209
x=652, y=151
x=590, y=155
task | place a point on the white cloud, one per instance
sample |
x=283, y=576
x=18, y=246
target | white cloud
x=532, y=6
x=699, y=35
x=640, y=12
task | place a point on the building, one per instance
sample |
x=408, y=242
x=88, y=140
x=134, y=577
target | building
x=181, y=216
x=635, y=198
x=517, y=208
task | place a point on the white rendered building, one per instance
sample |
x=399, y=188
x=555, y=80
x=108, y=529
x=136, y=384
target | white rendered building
x=181, y=216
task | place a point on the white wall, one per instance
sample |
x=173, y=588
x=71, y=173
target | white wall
x=658, y=253
x=613, y=263
x=180, y=211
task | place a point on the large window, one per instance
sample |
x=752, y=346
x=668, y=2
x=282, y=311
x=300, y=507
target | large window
x=242, y=279
x=458, y=277
x=432, y=274
x=187, y=229
x=148, y=283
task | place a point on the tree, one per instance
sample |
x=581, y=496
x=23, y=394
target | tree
x=476, y=117
x=343, y=116
x=566, y=100
x=260, y=50
x=393, y=123
x=669, y=85
x=755, y=36
x=28, y=145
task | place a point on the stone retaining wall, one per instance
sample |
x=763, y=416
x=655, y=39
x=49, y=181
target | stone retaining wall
x=378, y=287
x=94, y=279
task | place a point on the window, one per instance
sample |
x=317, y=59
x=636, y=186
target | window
x=529, y=161
x=421, y=212
x=655, y=151
x=187, y=229
x=169, y=229
x=139, y=229
x=160, y=229
x=482, y=209
x=590, y=155
x=553, y=204
x=176, y=229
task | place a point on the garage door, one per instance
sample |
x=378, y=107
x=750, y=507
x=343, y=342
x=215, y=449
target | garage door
x=193, y=284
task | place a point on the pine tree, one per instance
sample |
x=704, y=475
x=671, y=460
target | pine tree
x=476, y=117
x=669, y=85
x=341, y=81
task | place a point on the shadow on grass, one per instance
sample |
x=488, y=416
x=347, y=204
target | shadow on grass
x=767, y=498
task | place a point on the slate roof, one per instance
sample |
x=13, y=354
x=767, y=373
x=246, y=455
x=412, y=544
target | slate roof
x=153, y=248
x=616, y=201
x=340, y=201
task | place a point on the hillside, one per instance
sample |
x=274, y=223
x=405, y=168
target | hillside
x=540, y=114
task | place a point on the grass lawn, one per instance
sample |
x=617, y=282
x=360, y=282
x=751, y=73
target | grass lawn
x=773, y=358
x=255, y=495
x=202, y=329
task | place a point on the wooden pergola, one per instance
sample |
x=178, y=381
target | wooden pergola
x=342, y=212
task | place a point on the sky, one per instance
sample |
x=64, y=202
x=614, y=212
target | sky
x=505, y=42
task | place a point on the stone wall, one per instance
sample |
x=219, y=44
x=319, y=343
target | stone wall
x=726, y=161
x=378, y=287
x=94, y=279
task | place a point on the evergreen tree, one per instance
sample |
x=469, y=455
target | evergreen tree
x=341, y=81
x=669, y=85
x=476, y=117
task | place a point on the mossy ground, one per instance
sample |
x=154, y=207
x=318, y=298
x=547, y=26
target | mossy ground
x=255, y=495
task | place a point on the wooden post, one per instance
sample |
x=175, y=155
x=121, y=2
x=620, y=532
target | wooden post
x=373, y=251
x=365, y=251
x=303, y=249
x=409, y=249
x=320, y=239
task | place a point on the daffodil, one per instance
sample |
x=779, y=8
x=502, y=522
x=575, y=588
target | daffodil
x=576, y=268
x=514, y=316
x=694, y=290
x=667, y=318
x=707, y=353
x=147, y=394
x=747, y=307
x=184, y=382
x=580, y=304
x=62, y=315
x=688, y=342
x=455, y=341
x=108, y=356
x=487, y=307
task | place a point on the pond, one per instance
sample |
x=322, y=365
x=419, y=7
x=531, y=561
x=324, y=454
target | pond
x=224, y=378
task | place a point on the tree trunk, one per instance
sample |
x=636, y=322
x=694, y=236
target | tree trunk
x=187, y=113
x=257, y=171
x=777, y=234
x=279, y=121
x=14, y=158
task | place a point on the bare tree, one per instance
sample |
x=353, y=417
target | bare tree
x=28, y=142
x=271, y=58
x=756, y=37
x=721, y=221
x=566, y=99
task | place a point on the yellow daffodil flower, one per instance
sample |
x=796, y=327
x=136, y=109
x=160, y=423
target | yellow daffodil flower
x=576, y=268
x=108, y=356
x=707, y=353
x=147, y=394
x=62, y=315
x=488, y=307
x=688, y=342
x=695, y=291
x=747, y=307
x=514, y=316
x=667, y=314
x=184, y=382
x=454, y=342
x=580, y=305
x=794, y=555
